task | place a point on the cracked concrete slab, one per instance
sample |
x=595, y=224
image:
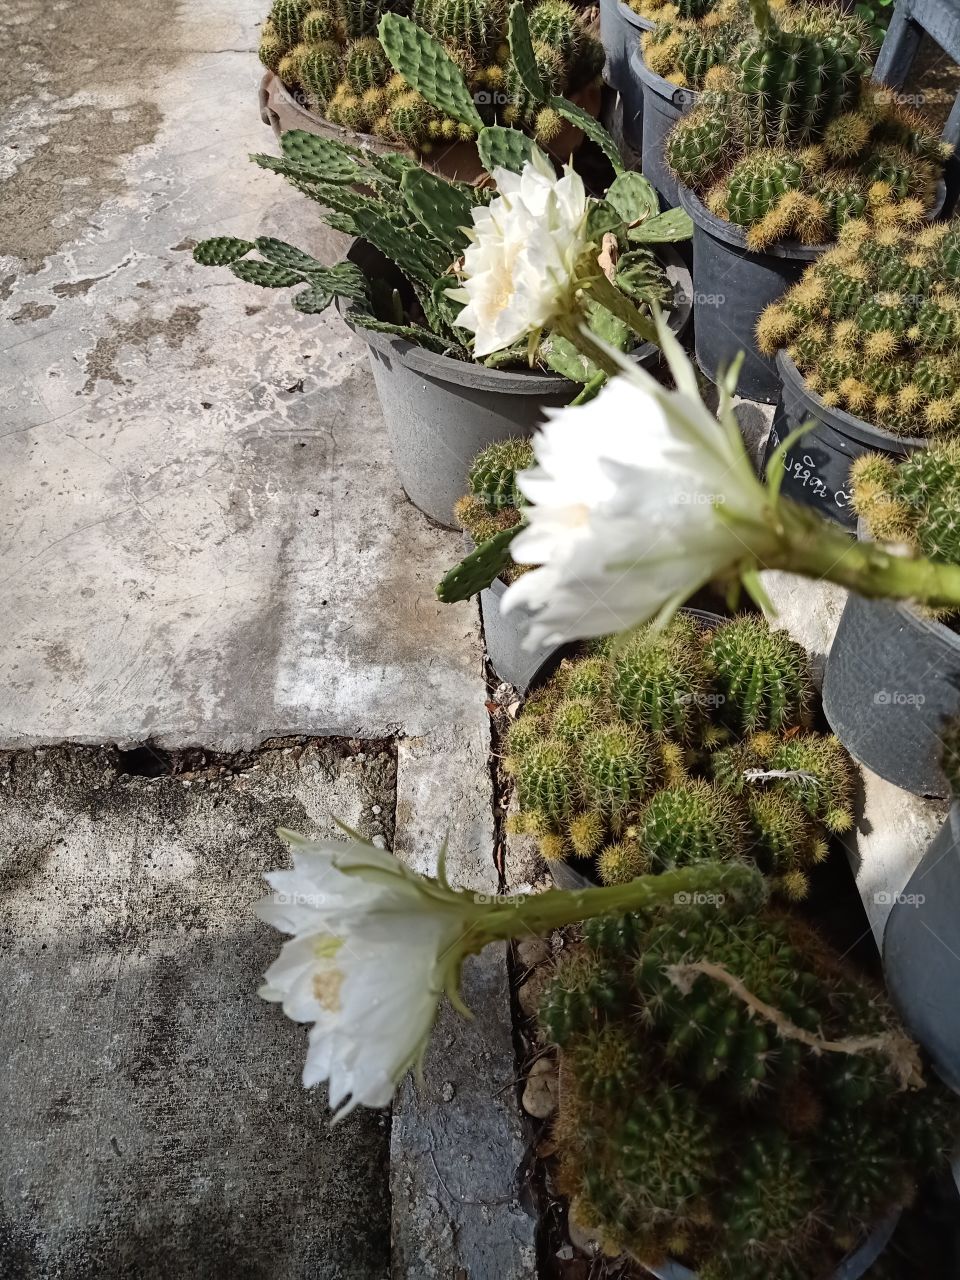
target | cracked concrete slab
x=203, y=542
x=155, y=1123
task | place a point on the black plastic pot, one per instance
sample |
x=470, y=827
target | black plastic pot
x=853, y=1266
x=921, y=951
x=731, y=286
x=892, y=678
x=440, y=412
x=662, y=106
x=620, y=32
x=816, y=468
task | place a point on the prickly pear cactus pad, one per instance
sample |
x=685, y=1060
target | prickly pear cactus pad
x=329, y=53
x=730, y=1096
x=874, y=327
x=669, y=749
x=791, y=139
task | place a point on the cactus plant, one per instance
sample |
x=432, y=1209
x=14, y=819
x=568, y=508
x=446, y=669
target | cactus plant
x=699, y=1118
x=916, y=502
x=462, y=41
x=762, y=675
x=874, y=327
x=679, y=748
x=792, y=140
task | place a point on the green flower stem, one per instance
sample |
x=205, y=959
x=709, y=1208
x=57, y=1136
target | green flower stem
x=590, y=389
x=811, y=546
x=539, y=913
x=608, y=295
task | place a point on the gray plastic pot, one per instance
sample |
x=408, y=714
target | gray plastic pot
x=892, y=678
x=816, y=468
x=663, y=105
x=503, y=636
x=921, y=951
x=853, y=1266
x=620, y=32
x=732, y=285
x=440, y=413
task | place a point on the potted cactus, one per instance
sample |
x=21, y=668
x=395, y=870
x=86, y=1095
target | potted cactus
x=893, y=673
x=867, y=346
x=771, y=168
x=671, y=67
x=669, y=749
x=453, y=378
x=491, y=515
x=734, y=1103
x=329, y=72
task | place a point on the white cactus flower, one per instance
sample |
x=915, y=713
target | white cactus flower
x=374, y=947
x=640, y=497
x=520, y=269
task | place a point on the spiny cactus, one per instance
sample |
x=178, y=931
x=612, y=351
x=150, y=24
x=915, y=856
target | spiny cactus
x=688, y=823
x=493, y=473
x=794, y=142
x=477, y=25
x=670, y=1134
x=321, y=69
x=660, y=681
x=617, y=764
x=664, y=750
x=762, y=674
x=916, y=502
x=286, y=20
x=874, y=327
x=365, y=65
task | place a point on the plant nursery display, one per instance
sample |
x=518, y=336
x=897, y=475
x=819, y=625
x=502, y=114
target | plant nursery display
x=333, y=55
x=791, y=141
x=532, y=273
x=866, y=346
x=801, y=140
x=375, y=946
x=624, y=524
x=731, y=1096
x=893, y=673
x=669, y=749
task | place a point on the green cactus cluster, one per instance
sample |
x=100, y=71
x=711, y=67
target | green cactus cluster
x=699, y=1118
x=329, y=51
x=678, y=747
x=791, y=140
x=915, y=502
x=874, y=327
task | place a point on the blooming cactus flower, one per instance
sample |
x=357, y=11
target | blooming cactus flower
x=520, y=270
x=375, y=946
x=371, y=954
x=639, y=498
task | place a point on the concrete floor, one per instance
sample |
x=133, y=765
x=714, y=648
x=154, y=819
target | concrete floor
x=202, y=542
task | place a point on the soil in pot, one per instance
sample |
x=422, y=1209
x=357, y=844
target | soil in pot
x=816, y=467
x=441, y=412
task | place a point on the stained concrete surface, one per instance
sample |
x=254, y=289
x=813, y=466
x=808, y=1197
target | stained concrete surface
x=203, y=541
x=154, y=1120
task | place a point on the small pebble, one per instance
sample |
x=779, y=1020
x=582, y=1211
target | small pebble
x=447, y=1091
